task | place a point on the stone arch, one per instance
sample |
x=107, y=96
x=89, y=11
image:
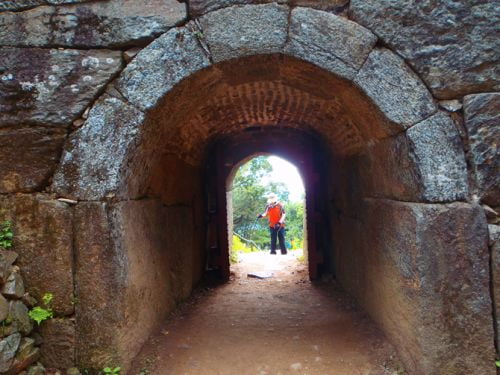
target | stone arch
x=395, y=155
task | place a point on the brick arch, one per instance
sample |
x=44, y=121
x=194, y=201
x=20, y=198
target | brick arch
x=136, y=162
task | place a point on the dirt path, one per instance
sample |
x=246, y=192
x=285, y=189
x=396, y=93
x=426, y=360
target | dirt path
x=279, y=325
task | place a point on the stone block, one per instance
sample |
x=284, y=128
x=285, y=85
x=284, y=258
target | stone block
x=157, y=68
x=134, y=246
x=7, y=259
x=453, y=46
x=86, y=171
x=96, y=24
x=100, y=308
x=8, y=348
x=329, y=41
x=51, y=86
x=424, y=164
x=199, y=7
x=17, y=5
x=245, y=30
x=27, y=355
x=4, y=308
x=395, y=88
x=31, y=169
x=59, y=343
x=18, y=315
x=14, y=286
x=482, y=120
x=43, y=238
x=431, y=295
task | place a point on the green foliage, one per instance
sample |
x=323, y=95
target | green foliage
x=6, y=235
x=39, y=313
x=111, y=370
x=250, y=188
x=233, y=257
x=497, y=363
x=47, y=299
x=242, y=247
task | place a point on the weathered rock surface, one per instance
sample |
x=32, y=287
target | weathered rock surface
x=43, y=239
x=102, y=311
x=16, y=5
x=27, y=355
x=332, y=42
x=7, y=259
x=8, y=348
x=253, y=29
x=424, y=164
x=158, y=67
x=482, y=120
x=97, y=24
x=4, y=308
x=59, y=342
x=453, y=45
x=50, y=86
x=200, y=7
x=30, y=169
x=394, y=88
x=436, y=150
x=494, y=242
x=38, y=369
x=14, y=287
x=442, y=295
x=18, y=314
x=86, y=171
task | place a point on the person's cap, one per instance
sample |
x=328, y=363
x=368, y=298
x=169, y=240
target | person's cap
x=272, y=198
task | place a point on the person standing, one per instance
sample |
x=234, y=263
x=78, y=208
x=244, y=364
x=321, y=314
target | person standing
x=275, y=213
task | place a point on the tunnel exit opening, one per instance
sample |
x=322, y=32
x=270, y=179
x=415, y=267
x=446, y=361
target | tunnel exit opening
x=270, y=186
x=306, y=151
x=264, y=184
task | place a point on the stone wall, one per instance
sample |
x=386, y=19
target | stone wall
x=59, y=63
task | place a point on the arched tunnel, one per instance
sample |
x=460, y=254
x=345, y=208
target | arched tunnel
x=377, y=176
x=389, y=208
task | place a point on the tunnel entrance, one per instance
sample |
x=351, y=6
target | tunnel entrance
x=385, y=173
x=305, y=150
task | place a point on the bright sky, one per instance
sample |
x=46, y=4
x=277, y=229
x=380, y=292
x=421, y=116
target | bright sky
x=286, y=172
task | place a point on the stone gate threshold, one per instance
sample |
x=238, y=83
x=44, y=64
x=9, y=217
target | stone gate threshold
x=279, y=325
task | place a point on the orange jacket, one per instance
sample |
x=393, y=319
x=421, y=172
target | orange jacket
x=274, y=213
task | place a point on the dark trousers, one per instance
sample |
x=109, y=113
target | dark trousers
x=280, y=234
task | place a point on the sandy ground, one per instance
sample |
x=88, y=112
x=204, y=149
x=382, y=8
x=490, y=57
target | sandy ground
x=283, y=324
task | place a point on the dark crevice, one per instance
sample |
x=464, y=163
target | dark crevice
x=493, y=304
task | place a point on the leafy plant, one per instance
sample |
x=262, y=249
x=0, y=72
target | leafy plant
x=39, y=313
x=6, y=234
x=47, y=299
x=497, y=363
x=111, y=370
